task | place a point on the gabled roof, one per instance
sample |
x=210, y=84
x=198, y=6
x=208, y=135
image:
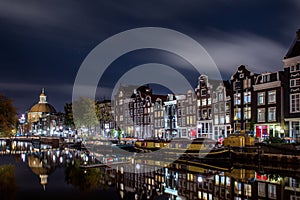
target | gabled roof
x=294, y=50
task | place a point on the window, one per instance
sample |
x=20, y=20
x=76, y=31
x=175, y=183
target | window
x=204, y=114
x=237, y=99
x=247, y=97
x=237, y=113
x=221, y=96
x=261, y=98
x=227, y=119
x=294, y=68
x=247, y=190
x=203, y=102
x=272, y=96
x=266, y=78
x=261, y=115
x=216, y=179
x=216, y=119
x=222, y=119
x=261, y=189
x=237, y=187
x=237, y=85
x=272, y=114
x=216, y=108
x=221, y=107
x=209, y=113
x=208, y=101
x=214, y=97
x=203, y=92
x=272, y=191
x=295, y=82
x=295, y=103
x=247, y=83
x=247, y=113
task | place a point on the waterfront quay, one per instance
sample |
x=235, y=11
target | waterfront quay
x=260, y=152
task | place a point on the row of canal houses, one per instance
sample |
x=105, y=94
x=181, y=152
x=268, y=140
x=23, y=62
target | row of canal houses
x=266, y=104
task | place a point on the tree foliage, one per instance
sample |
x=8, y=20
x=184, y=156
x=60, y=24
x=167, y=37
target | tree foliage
x=8, y=116
x=84, y=112
x=85, y=179
x=103, y=112
x=87, y=112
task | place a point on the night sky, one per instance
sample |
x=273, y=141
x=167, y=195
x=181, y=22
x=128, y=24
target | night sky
x=43, y=43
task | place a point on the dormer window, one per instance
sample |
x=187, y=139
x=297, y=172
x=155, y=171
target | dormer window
x=265, y=78
x=295, y=68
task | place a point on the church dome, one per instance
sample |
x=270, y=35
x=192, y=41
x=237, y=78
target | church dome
x=43, y=106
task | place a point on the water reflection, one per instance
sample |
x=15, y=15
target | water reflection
x=183, y=179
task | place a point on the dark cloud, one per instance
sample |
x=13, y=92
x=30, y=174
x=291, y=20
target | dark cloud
x=43, y=43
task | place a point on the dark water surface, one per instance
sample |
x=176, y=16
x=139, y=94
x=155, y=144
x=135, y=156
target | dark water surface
x=45, y=173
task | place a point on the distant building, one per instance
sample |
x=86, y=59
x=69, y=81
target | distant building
x=43, y=118
x=204, y=108
x=123, y=110
x=170, y=114
x=40, y=108
x=141, y=109
x=242, y=99
x=187, y=115
x=221, y=107
x=291, y=64
x=269, y=103
x=159, y=118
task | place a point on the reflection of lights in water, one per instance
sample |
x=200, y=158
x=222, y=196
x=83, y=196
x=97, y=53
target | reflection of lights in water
x=200, y=179
x=57, y=153
x=61, y=159
x=23, y=157
x=138, y=166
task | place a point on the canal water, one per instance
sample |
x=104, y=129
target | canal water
x=41, y=172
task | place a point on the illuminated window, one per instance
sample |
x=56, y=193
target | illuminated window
x=295, y=68
x=247, y=97
x=217, y=179
x=272, y=96
x=237, y=113
x=261, y=189
x=237, y=187
x=237, y=99
x=261, y=115
x=295, y=82
x=272, y=191
x=247, y=190
x=272, y=114
x=247, y=113
x=295, y=103
x=261, y=98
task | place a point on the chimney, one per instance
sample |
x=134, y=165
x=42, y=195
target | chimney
x=298, y=34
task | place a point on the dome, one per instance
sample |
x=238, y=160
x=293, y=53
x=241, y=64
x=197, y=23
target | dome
x=43, y=107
